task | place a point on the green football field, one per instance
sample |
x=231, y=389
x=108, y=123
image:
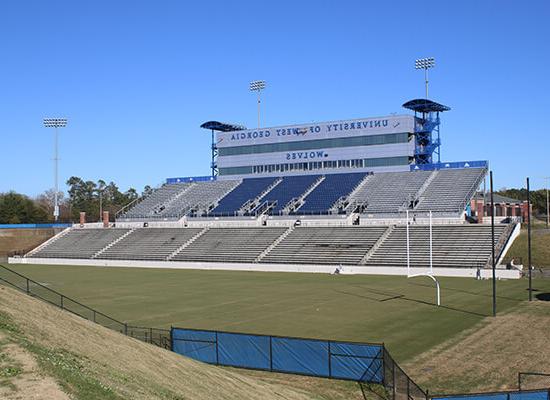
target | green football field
x=395, y=310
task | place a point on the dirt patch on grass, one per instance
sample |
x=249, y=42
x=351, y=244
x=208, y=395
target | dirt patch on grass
x=22, y=378
x=489, y=356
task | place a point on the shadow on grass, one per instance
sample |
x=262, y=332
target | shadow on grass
x=397, y=296
x=477, y=294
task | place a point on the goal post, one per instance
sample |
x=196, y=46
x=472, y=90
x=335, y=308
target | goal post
x=429, y=273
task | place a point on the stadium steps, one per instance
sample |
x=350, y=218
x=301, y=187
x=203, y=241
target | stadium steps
x=112, y=244
x=80, y=243
x=327, y=193
x=186, y=244
x=48, y=242
x=175, y=198
x=250, y=188
x=275, y=243
x=238, y=245
x=336, y=245
x=251, y=204
x=420, y=192
x=456, y=246
x=149, y=244
x=352, y=198
x=501, y=244
x=389, y=192
x=378, y=243
x=150, y=205
x=297, y=202
x=450, y=190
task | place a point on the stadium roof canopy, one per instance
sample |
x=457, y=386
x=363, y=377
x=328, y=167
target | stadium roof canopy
x=425, y=106
x=222, y=126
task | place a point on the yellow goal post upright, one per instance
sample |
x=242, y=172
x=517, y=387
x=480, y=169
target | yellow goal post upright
x=429, y=273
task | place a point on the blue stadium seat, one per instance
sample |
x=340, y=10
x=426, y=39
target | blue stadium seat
x=334, y=186
x=291, y=187
x=249, y=189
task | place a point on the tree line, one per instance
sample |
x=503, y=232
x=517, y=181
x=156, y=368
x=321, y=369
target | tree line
x=82, y=195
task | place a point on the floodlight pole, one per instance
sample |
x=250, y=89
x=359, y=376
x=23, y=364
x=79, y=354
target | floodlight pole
x=529, y=242
x=56, y=174
x=426, y=80
x=257, y=86
x=259, y=101
x=55, y=123
x=425, y=64
x=493, y=246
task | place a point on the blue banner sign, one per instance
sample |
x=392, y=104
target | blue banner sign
x=448, y=165
x=34, y=226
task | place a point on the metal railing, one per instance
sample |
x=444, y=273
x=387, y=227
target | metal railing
x=156, y=336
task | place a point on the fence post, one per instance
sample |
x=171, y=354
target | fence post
x=93, y=315
x=270, y=353
x=28, y=287
x=126, y=328
x=217, y=354
x=519, y=381
x=394, y=388
x=384, y=365
x=329, y=360
x=151, y=335
x=427, y=394
x=171, y=338
x=62, y=302
x=408, y=388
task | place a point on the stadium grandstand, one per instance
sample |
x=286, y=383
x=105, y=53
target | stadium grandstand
x=370, y=194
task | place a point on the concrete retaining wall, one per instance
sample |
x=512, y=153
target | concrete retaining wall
x=323, y=269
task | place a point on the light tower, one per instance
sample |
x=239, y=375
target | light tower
x=214, y=126
x=257, y=86
x=55, y=123
x=425, y=64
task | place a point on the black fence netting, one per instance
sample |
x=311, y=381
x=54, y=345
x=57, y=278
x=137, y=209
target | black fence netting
x=156, y=336
x=361, y=362
x=398, y=385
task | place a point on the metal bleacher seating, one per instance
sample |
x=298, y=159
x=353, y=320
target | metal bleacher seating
x=230, y=244
x=450, y=190
x=149, y=244
x=156, y=202
x=248, y=190
x=455, y=246
x=390, y=192
x=444, y=192
x=291, y=187
x=332, y=188
x=325, y=245
x=199, y=197
x=80, y=243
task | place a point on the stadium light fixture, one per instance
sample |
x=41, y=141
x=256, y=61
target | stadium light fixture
x=257, y=86
x=425, y=64
x=55, y=123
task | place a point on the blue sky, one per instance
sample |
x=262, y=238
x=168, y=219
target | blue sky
x=137, y=78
